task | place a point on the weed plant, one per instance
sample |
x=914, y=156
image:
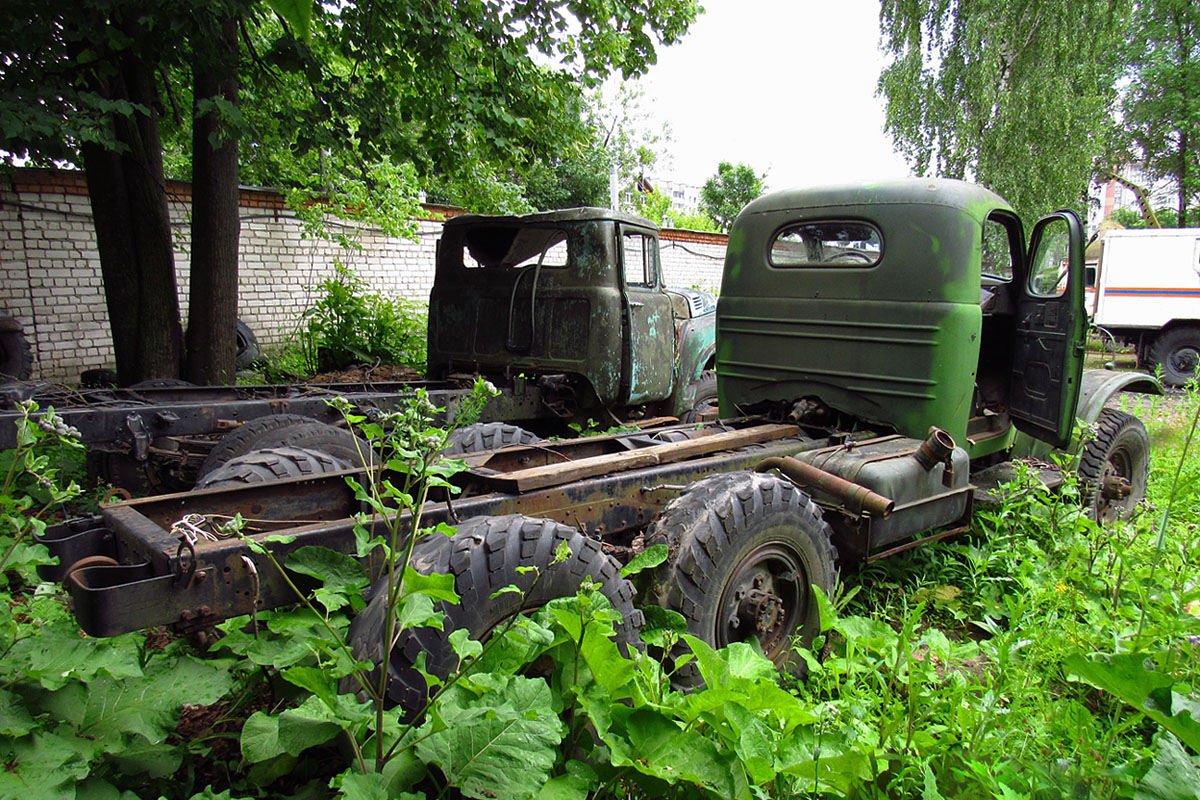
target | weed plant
x=349, y=324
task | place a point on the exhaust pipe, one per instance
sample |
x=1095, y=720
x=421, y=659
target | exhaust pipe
x=856, y=498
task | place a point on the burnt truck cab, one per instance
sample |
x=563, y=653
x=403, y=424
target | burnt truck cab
x=573, y=300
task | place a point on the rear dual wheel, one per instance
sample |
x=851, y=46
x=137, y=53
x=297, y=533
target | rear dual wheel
x=486, y=555
x=748, y=548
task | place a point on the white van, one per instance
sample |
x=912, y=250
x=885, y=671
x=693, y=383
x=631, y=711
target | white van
x=1147, y=293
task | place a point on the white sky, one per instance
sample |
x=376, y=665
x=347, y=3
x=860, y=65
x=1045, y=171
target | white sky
x=786, y=86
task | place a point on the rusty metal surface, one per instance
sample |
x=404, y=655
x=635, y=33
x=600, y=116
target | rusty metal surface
x=857, y=499
x=165, y=580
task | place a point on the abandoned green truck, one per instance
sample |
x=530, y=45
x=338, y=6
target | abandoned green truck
x=878, y=348
x=566, y=312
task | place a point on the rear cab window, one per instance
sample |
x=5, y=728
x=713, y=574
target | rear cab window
x=827, y=243
x=515, y=247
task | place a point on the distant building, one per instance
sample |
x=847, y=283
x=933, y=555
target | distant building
x=685, y=198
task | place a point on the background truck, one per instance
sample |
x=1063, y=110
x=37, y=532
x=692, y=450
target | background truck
x=882, y=352
x=565, y=312
x=1147, y=294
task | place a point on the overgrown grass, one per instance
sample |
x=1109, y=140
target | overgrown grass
x=1038, y=657
x=1010, y=663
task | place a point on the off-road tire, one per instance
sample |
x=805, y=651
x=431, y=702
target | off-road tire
x=286, y=430
x=484, y=436
x=1178, y=351
x=16, y=356
x=247, y=346
x=483, y=556
x=1119, y=450
x=271, y=464
x=725, y=531
x=703, y=392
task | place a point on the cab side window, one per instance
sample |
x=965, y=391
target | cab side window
x=998, y=254
x=640, y=254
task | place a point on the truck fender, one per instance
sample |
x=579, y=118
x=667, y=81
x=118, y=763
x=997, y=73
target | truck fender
x=696, y=350
x=1099, y=385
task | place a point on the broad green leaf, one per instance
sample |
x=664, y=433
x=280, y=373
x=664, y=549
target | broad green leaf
x=500, y=744
x=930, y=791
x=107, y=711
x=152, y=760
x=825, y=610
x=1174, y=776
x=357, y=786
x=41, y=765
x=662, y=749
x=265, y=736
x=436, y=585
x=647, y=559
x=14, y=717
x=752, y=742
x=830, y=771
x=464, y=646
x=416, y=610
x=1132, y=678
x=318, y=681
x=873, y=634
x=580, y=779
x=341, y=575
x=58, y=654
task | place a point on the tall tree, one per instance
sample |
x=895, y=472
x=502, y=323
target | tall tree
x=388, y=91
x=1162, y=102
x=1014, y=94
x=726, y=193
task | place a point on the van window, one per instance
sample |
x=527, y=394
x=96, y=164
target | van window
x=827, y=243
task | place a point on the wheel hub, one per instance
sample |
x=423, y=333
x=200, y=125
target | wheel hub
x=1115, y=488
x=765, y=599
x=1184, y=360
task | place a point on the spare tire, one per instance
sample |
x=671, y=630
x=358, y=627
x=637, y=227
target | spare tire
x=16, y=356
x=288, y=430
x=271, y=464
x=247, y=346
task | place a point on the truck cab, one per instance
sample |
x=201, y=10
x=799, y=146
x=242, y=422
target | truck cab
x=573, y=300
x=909, y=304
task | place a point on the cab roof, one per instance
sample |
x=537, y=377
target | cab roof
x=969, y=197
x=581, y=214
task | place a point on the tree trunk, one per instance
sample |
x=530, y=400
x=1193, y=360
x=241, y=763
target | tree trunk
x=133, y=233
x=212, y=311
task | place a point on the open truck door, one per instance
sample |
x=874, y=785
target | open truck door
x=1048, y=351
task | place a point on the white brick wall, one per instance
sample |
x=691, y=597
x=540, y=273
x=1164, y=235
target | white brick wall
x=50, y=276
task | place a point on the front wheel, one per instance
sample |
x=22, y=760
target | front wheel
x=486, y=555
x=1114, y=466
x=703, y=392
x=749, y=548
